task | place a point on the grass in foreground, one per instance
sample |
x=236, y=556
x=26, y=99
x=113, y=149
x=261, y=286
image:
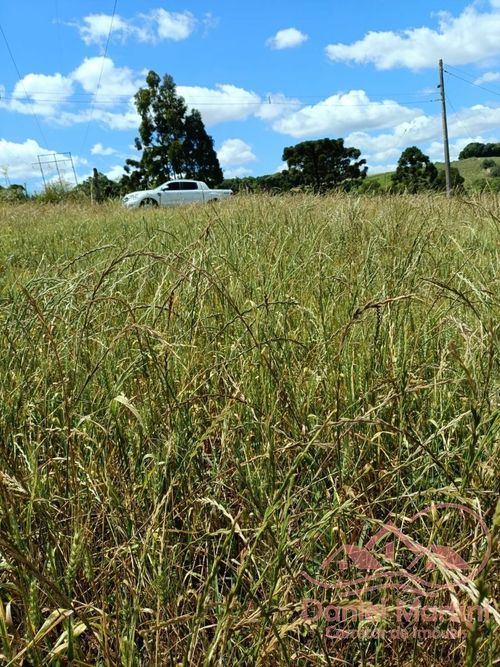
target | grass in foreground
x=197, y=405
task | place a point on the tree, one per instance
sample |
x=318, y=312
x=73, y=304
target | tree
x=99, y=186
x=173, y=143
x=13, y=192
x=457, y=180
x=476, y=149
x=323, y=164
x=415, y=172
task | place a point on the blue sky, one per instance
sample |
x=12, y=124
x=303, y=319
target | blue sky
x=264, y=75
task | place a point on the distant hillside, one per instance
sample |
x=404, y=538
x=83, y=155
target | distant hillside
x=471, y=169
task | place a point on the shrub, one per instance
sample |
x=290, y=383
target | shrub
x=53, y=193
x=13, y=193
x=488, y=163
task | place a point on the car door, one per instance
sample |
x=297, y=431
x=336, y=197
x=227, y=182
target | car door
x=170, y=194
x=189, y=192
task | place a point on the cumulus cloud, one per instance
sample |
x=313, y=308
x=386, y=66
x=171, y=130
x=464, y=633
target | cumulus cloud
x=99, y=149
x=238, y=172
x=235, y=152
x=152, y=27
x=101, y=76
x=425, y=131
x=95, y=28
x=114, y=120
x=381, y=168
x=341, y=113
x=287, y=39
x=40, y=93
x=470, y=37
x=488, y=77
x=115, y=173
x=18, y=161
x=50, y=96
x=435, y=150
x=171, y=25
x=223, y=103
x=276, y=106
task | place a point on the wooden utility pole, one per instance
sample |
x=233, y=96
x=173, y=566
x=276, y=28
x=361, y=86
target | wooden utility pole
x=445, y=131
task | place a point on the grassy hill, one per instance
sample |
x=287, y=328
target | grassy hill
x=471, y=169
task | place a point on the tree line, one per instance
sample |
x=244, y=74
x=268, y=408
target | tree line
x=476, y=149
x=173, y=143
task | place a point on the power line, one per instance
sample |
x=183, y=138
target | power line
x=225, y=104
x=473, y=83
x=100, y=74
x=291, y=98
x=20, y=79
x=242, y=101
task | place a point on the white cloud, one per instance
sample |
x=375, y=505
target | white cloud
x=96, y=27
x=114, y=120
x=99, y=149
x=235, y=152
x=436, y=149
x=172, y=25
x=115, y=173
x=238, y=172
x=388, y=145
x=113, y=82
x=287, y=39
x=223, y=103
x=152, y=27
x=470, y=37
x=465, y=126
x=18, y=161
x=381, y=168
x=50, y=96
x=341, y=113
x=277, y=105
x=40, y=93
x=488, y=77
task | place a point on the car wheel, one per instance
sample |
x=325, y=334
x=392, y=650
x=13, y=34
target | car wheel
x=148, y=203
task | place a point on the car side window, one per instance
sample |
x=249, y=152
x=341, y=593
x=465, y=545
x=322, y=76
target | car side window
x=172, y=186
x=188, y=185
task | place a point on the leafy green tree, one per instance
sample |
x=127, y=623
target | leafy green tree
x=415, y=172
x=457, y=180
x=173, y=143
x=370, y=187
x=476, y=149
x=99, y=186
x=13, y=192
x=324, y=163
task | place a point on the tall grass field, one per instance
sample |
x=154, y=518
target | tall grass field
x=202, y=407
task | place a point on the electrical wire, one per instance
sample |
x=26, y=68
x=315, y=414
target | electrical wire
x=120, y=99
x=85, y=136
x=20, y=79
x=473, y=83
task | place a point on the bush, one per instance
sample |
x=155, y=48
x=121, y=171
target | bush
x=486, y=185
x=370, y=187
x=54, y=193
x=488, y=164
x=495, y=171
x=13, y=193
